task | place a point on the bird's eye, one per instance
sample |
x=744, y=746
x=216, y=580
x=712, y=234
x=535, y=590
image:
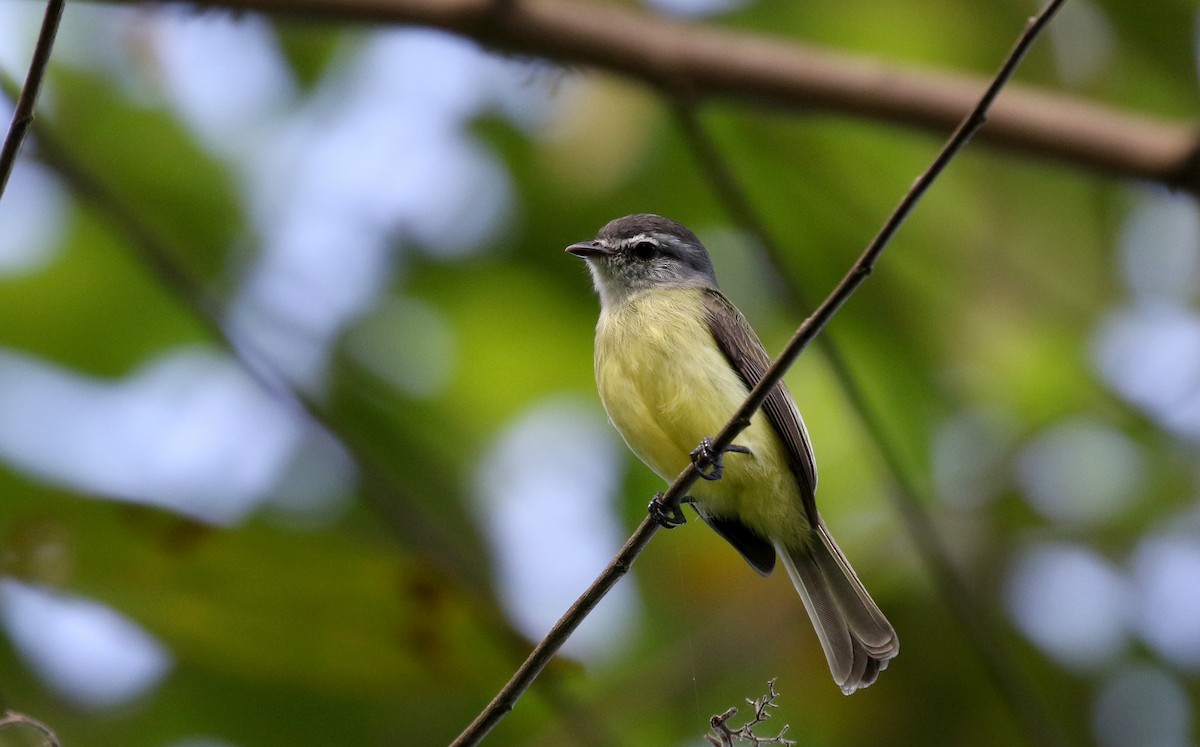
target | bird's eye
x=645, y=250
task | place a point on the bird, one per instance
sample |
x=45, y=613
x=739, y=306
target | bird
x=674, y=358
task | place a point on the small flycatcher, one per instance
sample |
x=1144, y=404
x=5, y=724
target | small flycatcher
x=674, y=360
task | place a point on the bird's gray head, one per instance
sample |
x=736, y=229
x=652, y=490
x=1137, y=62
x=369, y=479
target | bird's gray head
x=637, y=253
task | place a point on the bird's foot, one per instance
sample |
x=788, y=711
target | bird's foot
x=710, y=463
x=666, y=518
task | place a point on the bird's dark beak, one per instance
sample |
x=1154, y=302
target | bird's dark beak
x=588, y=249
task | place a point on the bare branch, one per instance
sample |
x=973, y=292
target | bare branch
x=23, y=111
x=722, y=736
x=620, y=565
x=406, y=517
x=12, y=719
x=710, y=61
x=1022, y=699
x=866, y=263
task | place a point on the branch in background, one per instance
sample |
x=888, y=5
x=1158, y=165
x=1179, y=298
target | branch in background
x=23, y=111
x=1026, y=706
x=716, y=62
x=405, y=517
x=402, y=514
x=506, y=699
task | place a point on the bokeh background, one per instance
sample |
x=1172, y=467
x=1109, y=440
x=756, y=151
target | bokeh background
x=191, y=555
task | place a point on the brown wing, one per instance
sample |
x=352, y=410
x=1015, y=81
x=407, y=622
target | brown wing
x=746, y=354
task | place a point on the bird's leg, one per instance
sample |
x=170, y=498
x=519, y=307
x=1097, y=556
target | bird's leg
x=667, y=519
x=706, y=459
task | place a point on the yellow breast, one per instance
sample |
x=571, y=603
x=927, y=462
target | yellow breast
x=666, y=385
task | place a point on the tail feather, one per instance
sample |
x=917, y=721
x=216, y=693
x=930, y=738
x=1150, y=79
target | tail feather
x=857, y=639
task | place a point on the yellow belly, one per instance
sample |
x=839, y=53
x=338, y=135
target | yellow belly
x=666, y=385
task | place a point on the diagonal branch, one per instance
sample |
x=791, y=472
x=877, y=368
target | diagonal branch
x=1027, y=708
x=506, y=699
x=404, y=515
x=23, y=111
x=716, y=62
x=408, y=520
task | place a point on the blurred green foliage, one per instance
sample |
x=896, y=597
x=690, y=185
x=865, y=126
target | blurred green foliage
x=339, y=632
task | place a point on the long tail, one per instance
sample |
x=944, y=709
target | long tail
x=858, y=640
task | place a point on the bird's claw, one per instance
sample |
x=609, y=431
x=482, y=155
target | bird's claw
x=666, y=518
x=705, y=458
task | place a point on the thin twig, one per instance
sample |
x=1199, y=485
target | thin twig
x=22, y=118
x=866, y=263
x=620, y=565
x=1026, y=707
x=12, y=719
x=723, y=736
x=734, y=64
x=562, y=630
x=23, y=111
